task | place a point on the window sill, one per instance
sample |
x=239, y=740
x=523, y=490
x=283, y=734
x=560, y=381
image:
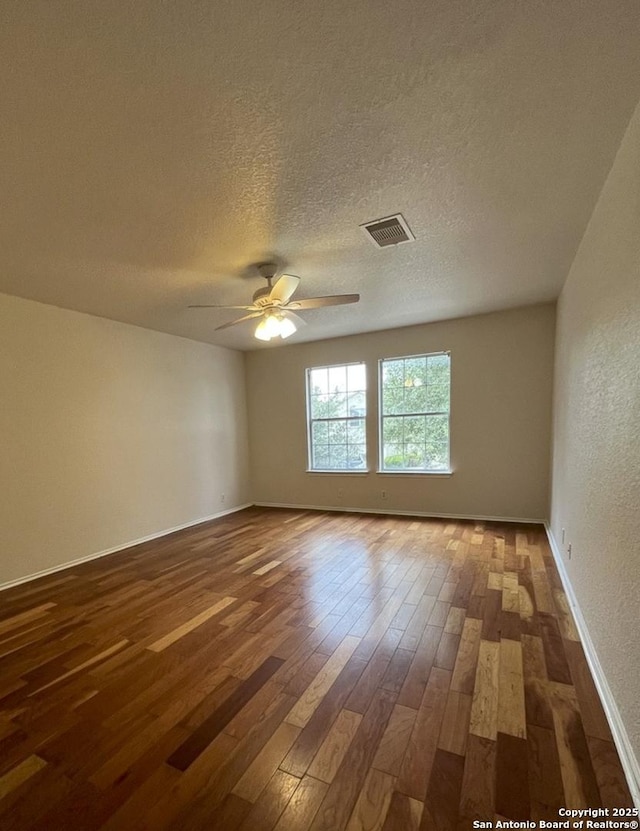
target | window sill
x=358, y=472
x=415, y=472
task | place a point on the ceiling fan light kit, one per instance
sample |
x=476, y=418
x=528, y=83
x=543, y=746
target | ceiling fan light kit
x=274, y=326
x=273, y=304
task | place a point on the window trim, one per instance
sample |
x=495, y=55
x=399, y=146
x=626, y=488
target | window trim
x=406, y=471
x=341, y=471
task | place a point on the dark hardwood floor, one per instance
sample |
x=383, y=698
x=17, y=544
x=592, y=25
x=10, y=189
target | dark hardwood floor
x=297, y=670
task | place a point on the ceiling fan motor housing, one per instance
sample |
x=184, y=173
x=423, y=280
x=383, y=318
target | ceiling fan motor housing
x=261, y=297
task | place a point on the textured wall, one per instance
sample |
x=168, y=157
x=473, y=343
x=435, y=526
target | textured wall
x=501, y=384
x=109, y=433
x=596, y=459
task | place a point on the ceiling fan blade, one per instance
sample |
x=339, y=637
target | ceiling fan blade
x=239, y=320
x=215, y=306
x=284, y=288
x=318, y=302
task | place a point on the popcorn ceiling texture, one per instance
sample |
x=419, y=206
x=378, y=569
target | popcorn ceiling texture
x=151, y=151
x=596, y=458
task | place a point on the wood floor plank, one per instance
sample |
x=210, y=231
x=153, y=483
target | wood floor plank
x=536, y=683
x=455, y=723
x=332, y=751
x=441, y=804
x=415, y=770
x=484, y=709
x=218, y=720
x=512, y=778
x=491, y=630
x=580, y=784
x=614, y=790
x=336, y=807
x=455, y=621
x=271, y=803
x=511, y=706
x=263, y=767
x=395, y=740
x=477, y=798
x=190, y=625
x=403, y=813
x=315, y=692
x=418, y=675
x=19, y=774
x=464, y=670
x=545, y=778
x=565, y=618
x=312, y=736
x=267, y=567
x=371, y=808
x=303, y=805
x=592, y=712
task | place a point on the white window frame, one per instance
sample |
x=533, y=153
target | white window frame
x=311, y=421
x=408, y=470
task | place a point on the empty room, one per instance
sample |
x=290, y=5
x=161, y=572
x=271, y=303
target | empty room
x=320, y=421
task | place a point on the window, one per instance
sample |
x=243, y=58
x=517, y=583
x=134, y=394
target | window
x=337, y=408
x=414, y=407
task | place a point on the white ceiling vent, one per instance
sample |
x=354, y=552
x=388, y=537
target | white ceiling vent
x=391, y=230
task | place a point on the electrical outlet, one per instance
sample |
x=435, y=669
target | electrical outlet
x=340, y=493
x=563, y=535
x=222, y=499
x=383, y=494
x=569, y=551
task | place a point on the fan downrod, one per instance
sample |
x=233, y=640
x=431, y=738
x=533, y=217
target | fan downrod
x=268, y=271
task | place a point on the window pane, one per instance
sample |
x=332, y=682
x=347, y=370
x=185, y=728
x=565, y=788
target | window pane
x=356, y=404
x=438, y=397
x=392, y=430
x=320, y=457
x=415, y=372
x=438, y=457
x=413, y=455
x=356, y=431
x=392, y=456
x=415, y=400
x=338, y=456
x=320, y=432
x=356, y=377
x=319, y=380
x=415, y=430
x=437, y=368
x=393, y=373
x=329, y=406
x=356, y=458
x=393, y=400
x=337, y=432
x=319, y=406
x=337, y=379
x=437, y=429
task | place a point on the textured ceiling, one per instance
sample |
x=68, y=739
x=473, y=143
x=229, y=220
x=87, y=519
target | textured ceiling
x=151, y=151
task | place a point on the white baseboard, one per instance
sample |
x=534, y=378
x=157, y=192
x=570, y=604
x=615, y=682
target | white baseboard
x=70, y=563
x=388, y=512
x=628, y=758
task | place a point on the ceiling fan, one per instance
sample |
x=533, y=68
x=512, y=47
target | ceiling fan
x=276, y=308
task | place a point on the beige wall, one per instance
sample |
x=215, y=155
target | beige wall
x=501, y=371
x=109, y=433
x=596, y=460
